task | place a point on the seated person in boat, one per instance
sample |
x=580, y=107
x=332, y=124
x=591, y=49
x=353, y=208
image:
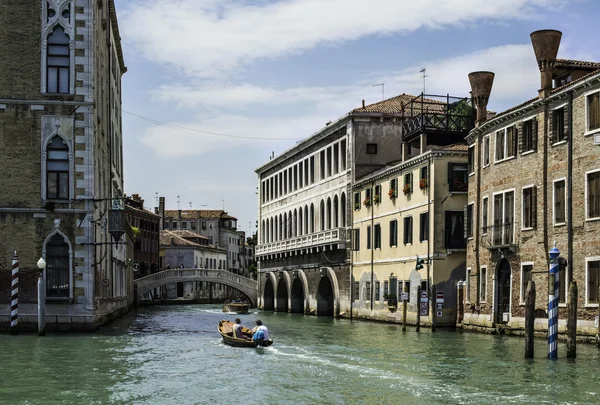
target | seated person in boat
x=237, y=329
x=261, y=333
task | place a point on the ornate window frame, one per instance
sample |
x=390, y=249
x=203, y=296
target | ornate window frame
x=57, y=231
x=46, y=139
x=48, y=24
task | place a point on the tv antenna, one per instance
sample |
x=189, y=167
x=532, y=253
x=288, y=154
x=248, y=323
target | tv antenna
x=156, y=197
x=178, y=202
x=382, y=86
x=423, y=72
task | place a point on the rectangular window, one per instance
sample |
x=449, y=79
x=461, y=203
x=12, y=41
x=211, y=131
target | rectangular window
x=193, y=224
x=394, y=232
x=527, y=136
x=470, y=220
x=377, y=292
x=312, y=170
x=368, y=199
x=408, y=186
x=407, y=289
x=203, y=225
x=322, y=164
x=503, y=208
x=558, y=125
x=368, y=237
x=300, y=175
x=377, y=236
x=343, y=146
x=386, y=288
x=295, y=177
x=329, y=162
x=593, y=105
x=486, y=150
x=371, y=149
x=471, y=160
x=455, y=230
x=357, y=201
x=423, y=226
x=356, y=240
x=184, y=225
x=484, y=215
x=526, y=269
x=356, y=290
x=457, y=177
x=408, y=230
x=529, y=208
x=285, y=183
x=336, y=158
x=368, y=291
x=511, y=141
x=393, y=191
x=593, y=194
x=174, y=225
x=500, y=145
x=424, y=175
x=593, y=275
x=506, y=143
x=483, y=285
x=560, y=209
x=377, y=196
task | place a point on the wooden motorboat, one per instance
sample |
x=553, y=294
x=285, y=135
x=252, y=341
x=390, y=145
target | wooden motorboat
x=237, y=307
x=226, y=330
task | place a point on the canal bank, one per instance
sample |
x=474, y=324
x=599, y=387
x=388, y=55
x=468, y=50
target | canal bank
x=174, y=355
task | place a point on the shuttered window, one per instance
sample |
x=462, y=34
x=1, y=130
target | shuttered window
x=593, y=111
x=529, y=208
x=394, y=233
x=593, y=195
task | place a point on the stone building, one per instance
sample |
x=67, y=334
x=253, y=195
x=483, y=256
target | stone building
x=146, y=228
x=535, y=181
x=61, y=159
x=304, y=210
x=409, y=211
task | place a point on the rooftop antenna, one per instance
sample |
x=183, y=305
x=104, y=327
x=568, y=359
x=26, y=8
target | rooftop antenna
x=423, y=72
x=190, y=205
x=382, y=86
x=156, y=197
x=178, y=202
x=223, y=204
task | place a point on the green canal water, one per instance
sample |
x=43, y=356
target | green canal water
x=174, y=355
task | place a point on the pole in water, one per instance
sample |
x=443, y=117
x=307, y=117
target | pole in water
x=553, y=296
x=529, y=319
x=14, y=296
x=572, y=321
x=419, y=309
x=404, y=308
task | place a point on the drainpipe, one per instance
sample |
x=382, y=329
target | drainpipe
x=570, y=194
x=545, y=183
x=477, y=228
x=429, y=219
x=372, y=239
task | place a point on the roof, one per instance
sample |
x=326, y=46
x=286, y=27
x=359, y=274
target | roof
x=457, y=147
x=570, y=63
x=395, y=105
x=117, y=35
x=177, y=239
x=198, y=214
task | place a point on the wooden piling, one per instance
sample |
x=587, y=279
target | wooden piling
x=432, y=301
x=405, y=289
x=598, y=327
x=529, y=318
x=418, y=308
x=572, y=321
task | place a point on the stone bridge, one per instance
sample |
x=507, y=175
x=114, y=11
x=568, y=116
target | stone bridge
x=245, y=285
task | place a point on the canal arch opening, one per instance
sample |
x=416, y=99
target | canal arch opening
x=282, y=297
x=269, y=296
x=297, y=297
x=503, y=284
x=325, y=297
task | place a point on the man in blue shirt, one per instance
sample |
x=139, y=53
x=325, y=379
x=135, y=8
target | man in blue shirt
x=261, y=334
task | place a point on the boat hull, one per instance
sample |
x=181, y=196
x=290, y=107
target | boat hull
x=237, y=308
x=225, y=329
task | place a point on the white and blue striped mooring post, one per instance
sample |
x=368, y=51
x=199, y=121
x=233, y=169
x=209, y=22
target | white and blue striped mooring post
x=553, y=295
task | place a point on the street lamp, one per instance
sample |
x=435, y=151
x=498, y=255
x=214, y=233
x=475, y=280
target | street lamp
x=41, y=264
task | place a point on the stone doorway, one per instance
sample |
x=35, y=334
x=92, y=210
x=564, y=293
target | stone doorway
x=297, y=297
x=268, y=296
x=325, y=297
x=503, y=290
x=282, y=297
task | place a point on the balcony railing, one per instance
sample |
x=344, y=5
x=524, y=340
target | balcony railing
x=498, y=235
x=330, y=236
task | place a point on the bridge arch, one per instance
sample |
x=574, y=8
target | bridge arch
x=283, y=292
x=328, y=293
x=242, y=284
x=299, y=292
x=268, y=297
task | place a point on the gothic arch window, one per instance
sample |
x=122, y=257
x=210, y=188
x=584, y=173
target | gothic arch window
x=322, y=212
x=57, y=169
x=336, y=209
x=57, y=267
x=343, y=210
x=58, y=61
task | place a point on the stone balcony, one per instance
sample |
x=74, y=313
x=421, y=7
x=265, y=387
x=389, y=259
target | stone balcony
x=336, y=236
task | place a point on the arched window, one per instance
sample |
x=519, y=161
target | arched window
x=328, y=213
x=281, y=225
x=276, y=230
x=290, y=225
x=296, y=222
x=57, y=170
x=262, y=232
x=343, y=210
x=57, y=267
x=58, y=62
x=312, y=218
x=336, y=208
x=300, y=223
x=306, y=229
x=322, y=216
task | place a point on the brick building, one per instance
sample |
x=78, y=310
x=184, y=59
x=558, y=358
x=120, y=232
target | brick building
x=146, y=229
x=534, y=181
x=61, y=159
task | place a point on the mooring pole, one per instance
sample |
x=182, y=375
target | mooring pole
x=529, y=318
x=433, y=300
x=553, y=296
x=14, y=295
x=419, y=309
x=405, y=289
x=572, y=321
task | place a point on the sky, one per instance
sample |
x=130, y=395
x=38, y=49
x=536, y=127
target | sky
x=213, y=87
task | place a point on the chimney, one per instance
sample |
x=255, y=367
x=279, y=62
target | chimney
x=363, y=103
x=545, y=45
x=161, y=211
x=481, y=87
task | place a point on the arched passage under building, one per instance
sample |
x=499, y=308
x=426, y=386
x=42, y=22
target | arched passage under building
x=298, y=297
x=282, y=296
x=325, y=298
x=268, y=296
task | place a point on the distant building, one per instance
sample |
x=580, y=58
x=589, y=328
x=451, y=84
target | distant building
x=535, y=181
x=61, y=160
x=146, y=229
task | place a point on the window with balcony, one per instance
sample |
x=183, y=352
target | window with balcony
x=457, y=177
x=394, y=232
x=423, y=226
x=593, y=194
x=503, y=228
x=559, y=197
x=455, y=230
x=408, y=230
x=377, y=235
x=529, y=208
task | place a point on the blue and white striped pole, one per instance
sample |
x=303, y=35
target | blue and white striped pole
x=553, y=295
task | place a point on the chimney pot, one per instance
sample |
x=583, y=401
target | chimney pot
x=545, y=46
x=481, y=87
x=363, y=103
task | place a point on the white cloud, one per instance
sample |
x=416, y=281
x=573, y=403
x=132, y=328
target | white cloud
x=209, y=38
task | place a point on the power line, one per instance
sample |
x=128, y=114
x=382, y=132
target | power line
x=166, y=124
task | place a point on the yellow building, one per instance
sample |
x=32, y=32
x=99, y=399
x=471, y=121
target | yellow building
x=412, y=210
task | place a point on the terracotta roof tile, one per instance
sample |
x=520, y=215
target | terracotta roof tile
x=173, y=238
x=396, y=105
x=198, y=214
x=570, y=63
x=460, y=147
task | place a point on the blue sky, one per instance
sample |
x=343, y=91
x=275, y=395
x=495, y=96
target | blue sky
x=282, y=69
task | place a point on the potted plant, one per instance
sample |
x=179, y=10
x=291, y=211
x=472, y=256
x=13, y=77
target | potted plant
x=393, y=194
x=392, y=302
x=406, y=189
x=423, y=184
x=376, y=199
x=367, y=202
x=357, y=206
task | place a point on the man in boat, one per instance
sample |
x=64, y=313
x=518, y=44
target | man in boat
x=261, y=333
x=237, y=329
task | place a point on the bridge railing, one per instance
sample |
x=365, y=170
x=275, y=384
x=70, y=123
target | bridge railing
x=181, y=274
